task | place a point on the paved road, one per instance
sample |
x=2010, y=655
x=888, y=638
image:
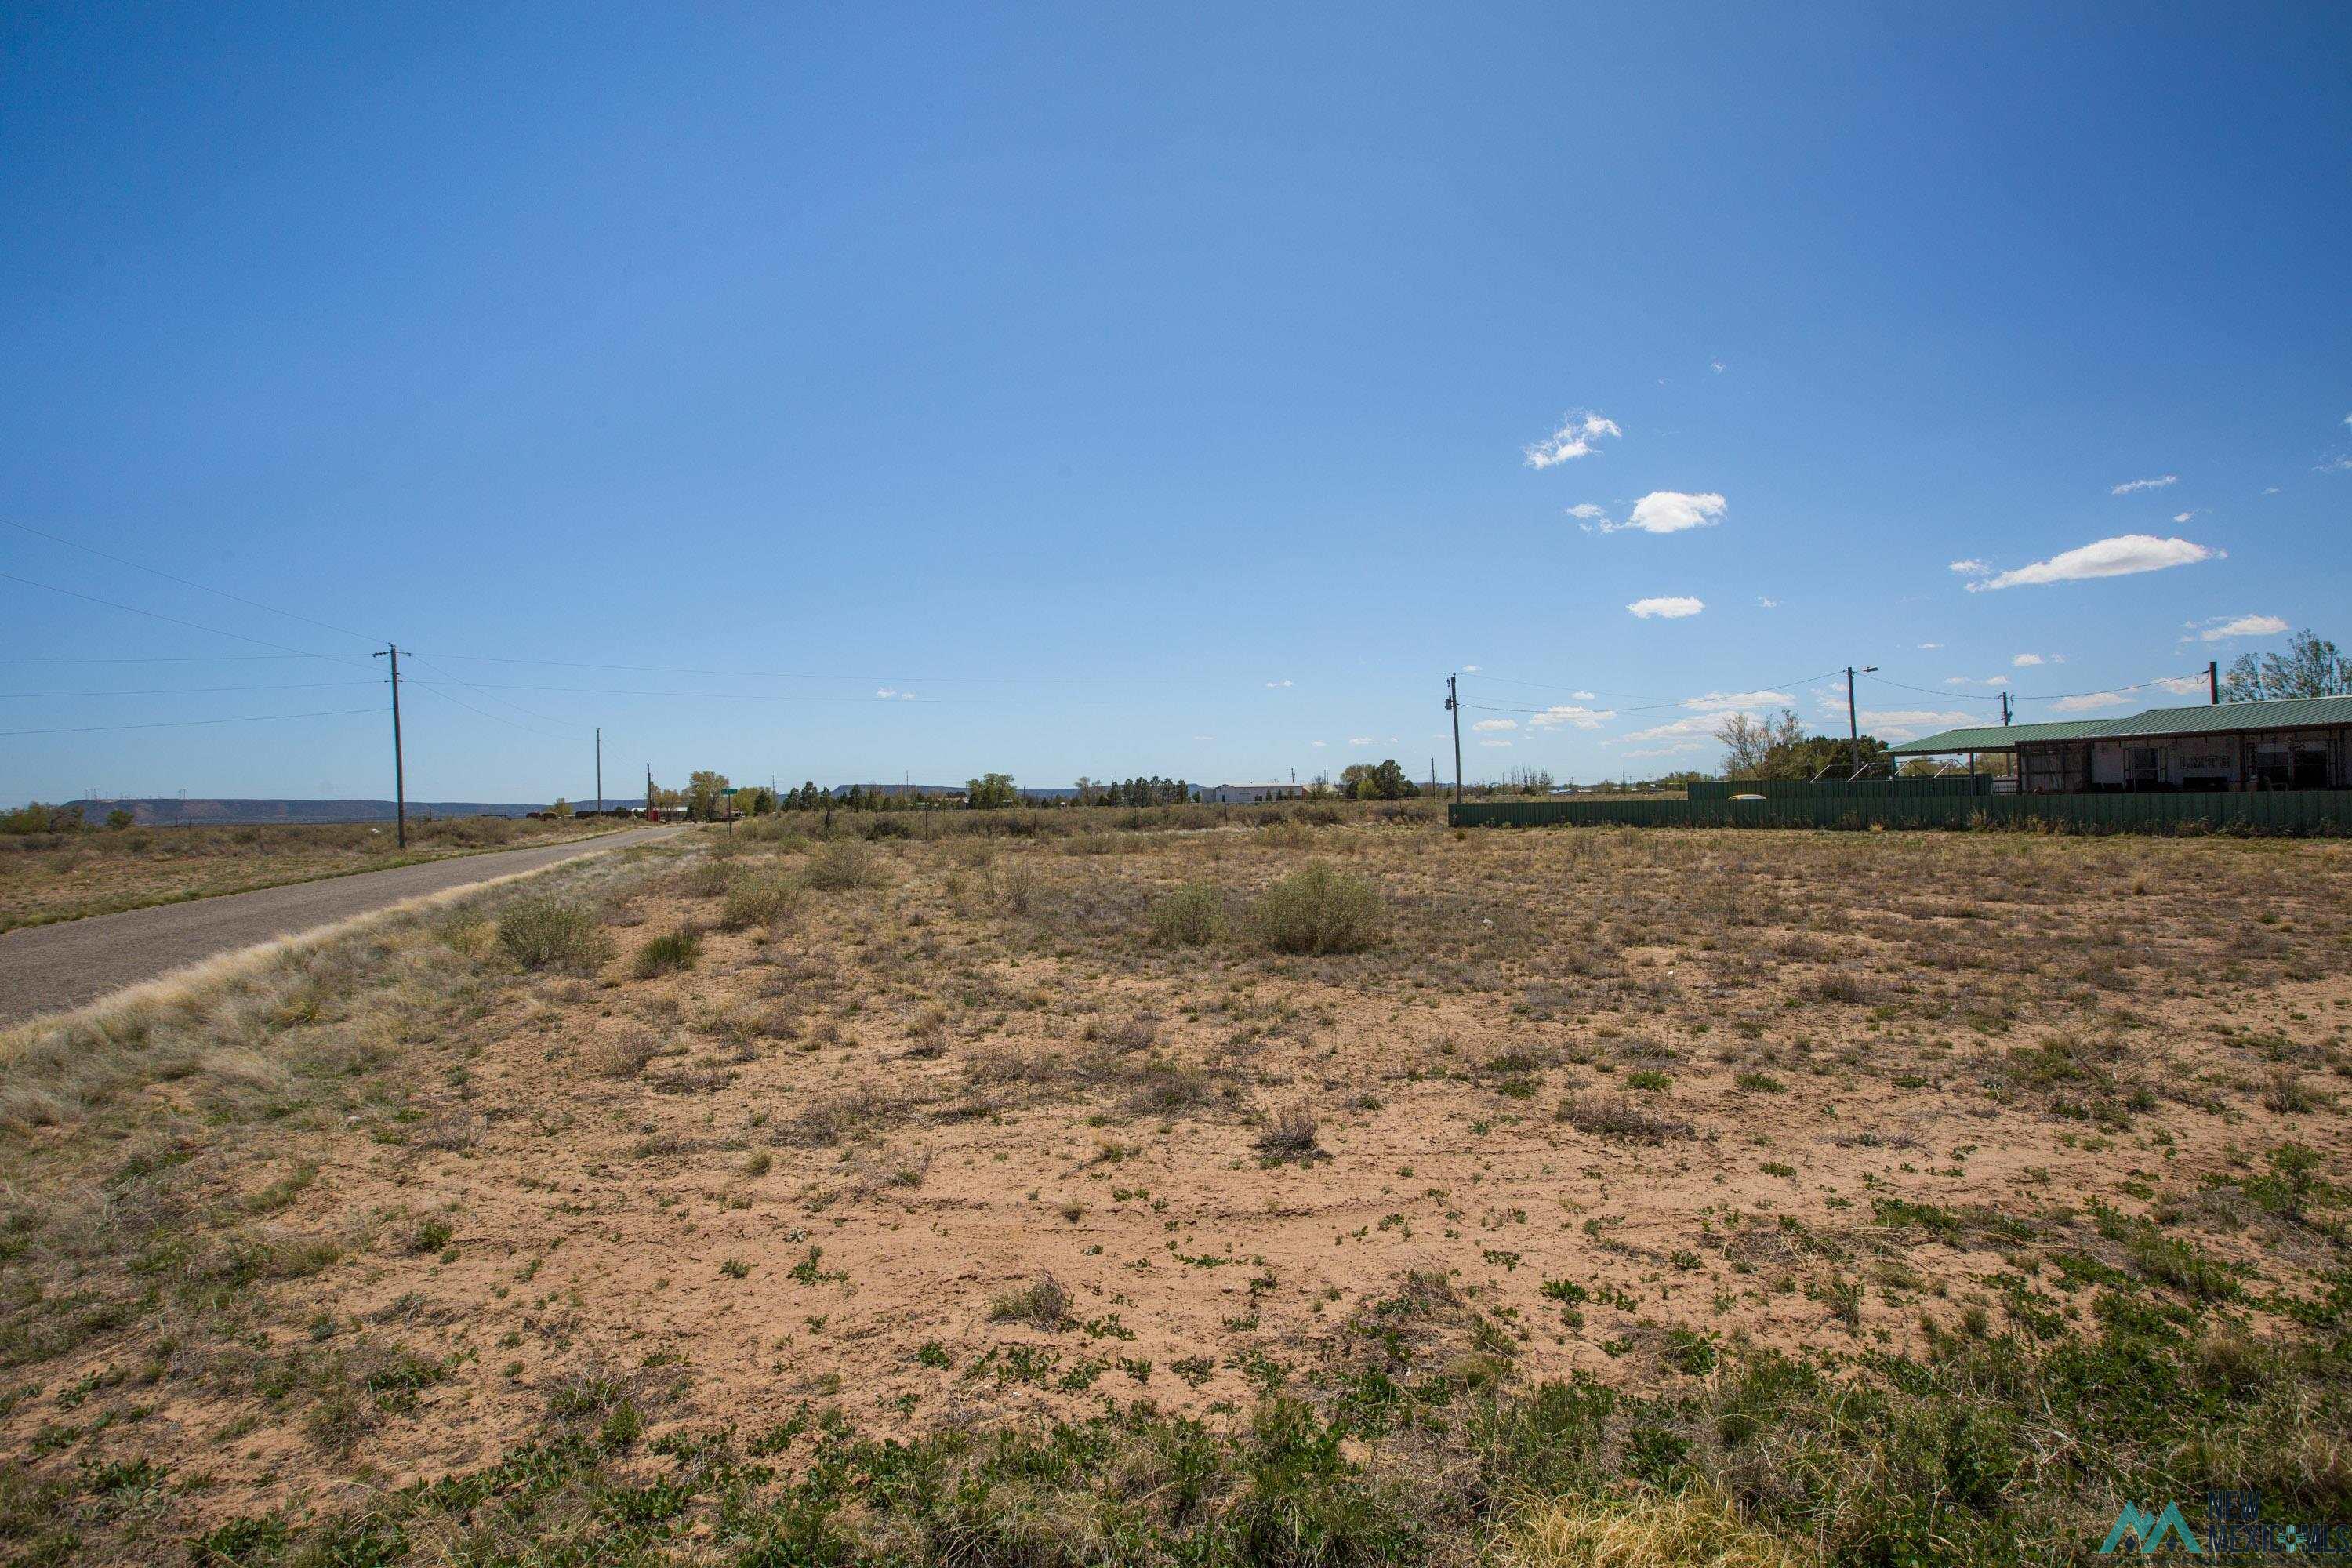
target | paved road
x=46, y=968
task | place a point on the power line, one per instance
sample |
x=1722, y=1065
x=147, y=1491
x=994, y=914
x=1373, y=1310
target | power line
x=186, y=690
x=502, y=701
x=183, y=582
x=184, y=723
x=812, y=675
x=174, y=620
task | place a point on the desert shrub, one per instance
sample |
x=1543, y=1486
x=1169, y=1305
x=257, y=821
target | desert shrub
x=1606, y=1116
x=1319, y=908
x=1042, y=1303
x=671, y=951
x=756, y=898
x=842, y=864
x=1289, y=1136
x=549, y=933
x=625, y=1054
x=1192, y=916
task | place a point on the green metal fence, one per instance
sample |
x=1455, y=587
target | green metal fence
x=1942, y=786
x=2305, y=810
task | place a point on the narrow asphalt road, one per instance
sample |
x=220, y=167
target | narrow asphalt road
x=44, y=969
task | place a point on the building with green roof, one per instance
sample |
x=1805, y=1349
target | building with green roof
x=2297, y=743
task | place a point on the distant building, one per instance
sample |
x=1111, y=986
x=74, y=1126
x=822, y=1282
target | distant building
x=1248, y=794
x=2296, y=742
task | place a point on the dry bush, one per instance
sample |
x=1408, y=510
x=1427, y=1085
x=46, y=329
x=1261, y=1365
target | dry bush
x=1613, y=1116
x=670, y=951
x=553, y=933
x=757, y=898
x=1697, y=1528
x=1042, y=1303
x=1289, y=1136
x=625, y=1054
x=1319, y=909
x=1192, y=916
x=843, y=864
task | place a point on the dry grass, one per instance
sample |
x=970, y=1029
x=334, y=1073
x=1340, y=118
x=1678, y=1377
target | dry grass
x=1604, y=1102
x=54, y=877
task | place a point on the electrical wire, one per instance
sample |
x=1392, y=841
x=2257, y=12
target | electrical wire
x=186, y=690
x=184, y=723
x=183, y=582
x=174, y=620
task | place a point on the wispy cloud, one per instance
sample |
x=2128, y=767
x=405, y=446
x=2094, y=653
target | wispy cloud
x=1676, y=734
x=1739, y=701
x=1660, y=511
x=1360, y=740
x=1717, y=365
x=1671, y=607
x=1571, y=716
x=1767, y=602
x=2157, y=483
x=2088, y=701
x=1909, y=723
x=2221, y=627
x=1573, y=439
x=1491, y=741
x=1469, y=669
x=2184, y=516
x=1930, y=644
x=2183, y=685
x=2025, y=660
x=1496, y=724
x=889, y=693
x=2118, y=557
x=1972, y=568
x=1276, y=685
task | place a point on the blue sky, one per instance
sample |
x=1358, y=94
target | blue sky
x=1126, y=390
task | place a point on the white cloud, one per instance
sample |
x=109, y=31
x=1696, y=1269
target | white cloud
x=1319, y=745
x=1491, y=742
x=1360, y=740
x=2336, y=465
x=1660, y=511
x=2089, y=701
x=1741, y=701
x=1909, y=723
x=2183, y=685
x=1574, y=438
x=1769, y=604
x=1496, y=724
x=2184, y=516
x=2241, y=627
x=1204, y=737
x=2025, y=660
x=1678, y=734
x=1717, y=365
x=1580, y=718
x=1469, y=669
x=887, y=692
x=2117, y=557
x=1582, y=695
x=1276, y=685
x=2128, y=486
x=1670, y=607
x=1970, y=568
x=2348, y=422
x=1930, y=644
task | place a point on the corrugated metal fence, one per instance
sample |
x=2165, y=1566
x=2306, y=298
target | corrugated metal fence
x=2304, y=811
x=1944, y=786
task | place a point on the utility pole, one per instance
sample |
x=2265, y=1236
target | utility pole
x=2214, y=681
x=1454, y=706
x=649, y=792
x=2004, y=709
x=599, y=806
x=399, y=776
x=1852, y=727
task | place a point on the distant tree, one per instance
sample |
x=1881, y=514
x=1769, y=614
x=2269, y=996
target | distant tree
x=757, y=802
x=2311, y=666
x=1749, y=742
x=120, y=819
x=1385, y=781
x=1682, y=779
x=703, y=789
x=561, y=807
x=991, y=792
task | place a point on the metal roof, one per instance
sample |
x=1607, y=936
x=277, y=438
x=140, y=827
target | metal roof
x=2204, y=719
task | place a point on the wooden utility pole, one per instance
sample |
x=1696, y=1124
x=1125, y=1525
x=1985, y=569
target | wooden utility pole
x=599, y=807
x=2004, y=709
x=1454, y=706
x=399, y=773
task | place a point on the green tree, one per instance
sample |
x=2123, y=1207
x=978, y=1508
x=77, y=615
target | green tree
x=703, y=788
x=2311, y=666
x=991, y=792
x=561, y=807
x=120, y=819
